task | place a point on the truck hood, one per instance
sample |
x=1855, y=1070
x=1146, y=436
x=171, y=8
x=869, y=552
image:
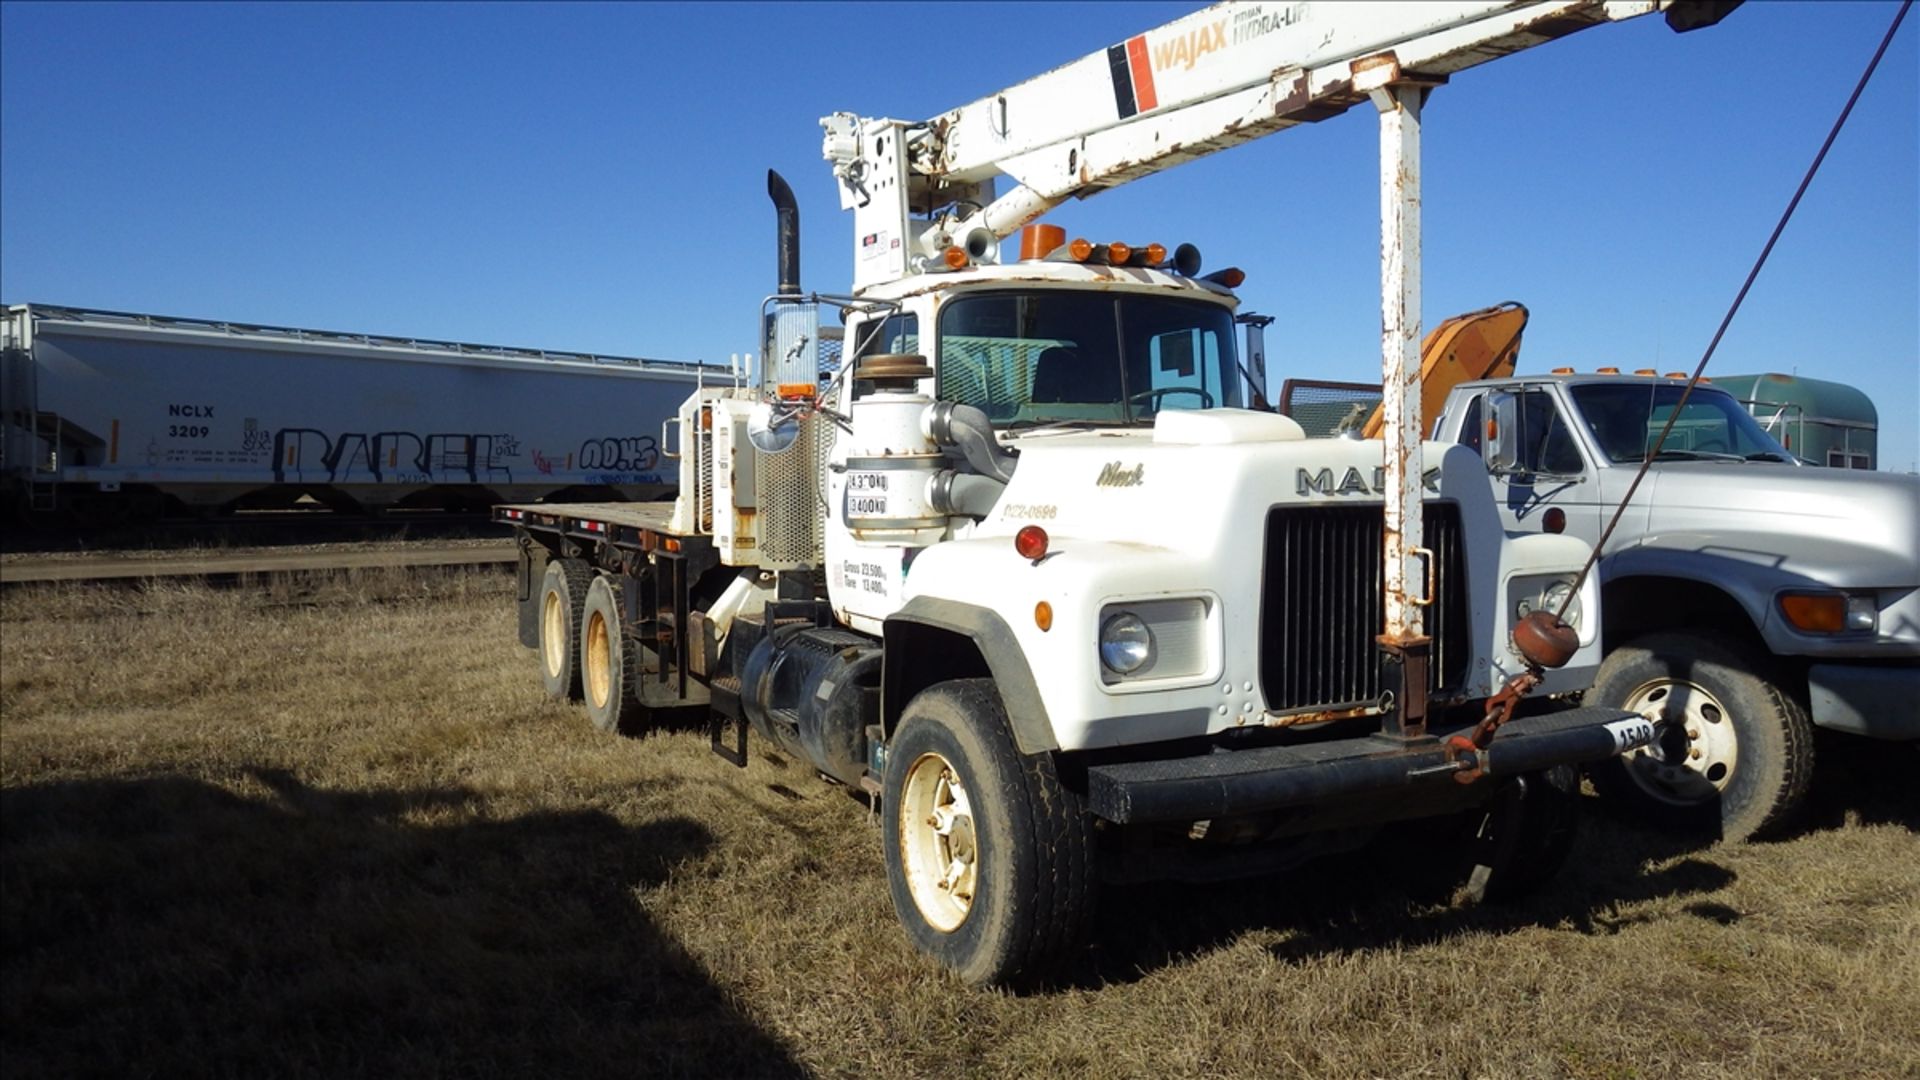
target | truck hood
x=1843, y=527
x=1183, y=491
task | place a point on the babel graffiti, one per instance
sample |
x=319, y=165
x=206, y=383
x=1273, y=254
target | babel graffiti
x=309, y=455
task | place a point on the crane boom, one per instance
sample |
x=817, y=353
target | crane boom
x=1222, y=76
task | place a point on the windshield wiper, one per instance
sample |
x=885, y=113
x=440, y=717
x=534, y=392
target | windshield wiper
x=1032, y=422
x=1770, y=455
x=1695, y=455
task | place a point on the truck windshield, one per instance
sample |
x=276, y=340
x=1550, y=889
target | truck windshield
x=1627, y=418
x=1046, y=356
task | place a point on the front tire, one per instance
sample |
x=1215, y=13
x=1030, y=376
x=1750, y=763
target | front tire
x=1732, y=751
x=989, y=857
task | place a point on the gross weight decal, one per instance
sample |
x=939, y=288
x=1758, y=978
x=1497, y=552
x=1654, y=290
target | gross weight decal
x=867, y=494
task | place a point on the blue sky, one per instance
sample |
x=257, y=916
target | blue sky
x=591, y=177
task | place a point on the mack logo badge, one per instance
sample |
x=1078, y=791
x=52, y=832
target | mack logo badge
x=1114, y=474
x=1307, y=482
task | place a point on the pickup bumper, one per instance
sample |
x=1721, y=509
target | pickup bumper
x=1877, y=700
x=1233, y=782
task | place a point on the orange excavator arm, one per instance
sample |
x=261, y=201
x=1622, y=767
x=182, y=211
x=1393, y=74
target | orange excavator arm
x=1482, y=344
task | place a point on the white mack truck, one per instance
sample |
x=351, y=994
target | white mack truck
x=1020, y=566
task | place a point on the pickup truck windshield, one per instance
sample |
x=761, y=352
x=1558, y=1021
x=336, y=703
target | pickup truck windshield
x=1043, y=356
x=1627, y=418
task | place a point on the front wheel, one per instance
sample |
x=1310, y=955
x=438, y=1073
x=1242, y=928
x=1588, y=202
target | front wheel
x=989, y=857
x=1732, y=751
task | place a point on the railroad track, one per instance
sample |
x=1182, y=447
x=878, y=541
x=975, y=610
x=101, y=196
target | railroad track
x=243, y=565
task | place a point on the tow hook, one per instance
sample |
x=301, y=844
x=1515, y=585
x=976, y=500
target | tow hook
x=1463, y=751
x=1543, y=641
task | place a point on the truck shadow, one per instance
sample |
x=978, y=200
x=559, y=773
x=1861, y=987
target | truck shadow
x=1394, y=894
x=174, y=927
x=1865, y=781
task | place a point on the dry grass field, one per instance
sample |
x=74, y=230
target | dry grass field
x=331, y=827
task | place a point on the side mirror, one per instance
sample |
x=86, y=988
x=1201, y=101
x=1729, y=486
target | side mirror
x=1500, y=443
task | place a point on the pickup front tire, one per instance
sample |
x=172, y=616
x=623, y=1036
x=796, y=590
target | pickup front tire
x=1732, y=751
x=989, y=857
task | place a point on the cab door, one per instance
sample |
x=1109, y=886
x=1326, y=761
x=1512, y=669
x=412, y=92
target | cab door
x=1534, y=461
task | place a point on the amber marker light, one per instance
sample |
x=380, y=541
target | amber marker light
x=1156, y=254
x=1043, y=615
x=1821, y=612
x=1232, y=277
x=1607, y=371
x=1080, y=249
x=1118, y=253
x=1031, y=542
x=1037, y=241
x=956, y=258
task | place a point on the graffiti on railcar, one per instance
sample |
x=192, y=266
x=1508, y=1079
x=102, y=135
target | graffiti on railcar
x=307, y=454
x=618, y=454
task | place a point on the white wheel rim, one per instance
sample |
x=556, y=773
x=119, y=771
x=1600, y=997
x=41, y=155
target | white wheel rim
x=1694, y=751
x=598, y=649
x=939, y=849
x=553, y=634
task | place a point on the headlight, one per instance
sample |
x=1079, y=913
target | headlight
x=1550, y=600
x=1125, y=643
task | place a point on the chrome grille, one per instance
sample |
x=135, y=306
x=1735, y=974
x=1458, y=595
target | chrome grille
x=1322, y=605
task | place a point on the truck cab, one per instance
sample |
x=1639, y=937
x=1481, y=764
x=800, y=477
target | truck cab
x=1748, y=598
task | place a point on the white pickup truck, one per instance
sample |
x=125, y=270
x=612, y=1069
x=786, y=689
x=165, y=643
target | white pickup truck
x=1748, y=599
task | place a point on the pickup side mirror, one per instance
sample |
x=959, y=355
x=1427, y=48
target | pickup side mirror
x=1500, y=443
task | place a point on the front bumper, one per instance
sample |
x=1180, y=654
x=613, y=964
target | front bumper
x=1878, y=700
x=1228, y=783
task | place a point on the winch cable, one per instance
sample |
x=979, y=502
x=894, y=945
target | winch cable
x=1600, y=544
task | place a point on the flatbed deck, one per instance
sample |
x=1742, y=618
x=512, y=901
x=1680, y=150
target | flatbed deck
x=633, y=515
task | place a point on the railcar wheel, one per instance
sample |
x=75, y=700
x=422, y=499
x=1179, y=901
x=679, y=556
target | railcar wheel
x=563, y=598
x=989, y=857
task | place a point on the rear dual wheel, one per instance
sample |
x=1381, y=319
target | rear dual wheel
x=586, y=653
x=563, y=601
x=610, y=667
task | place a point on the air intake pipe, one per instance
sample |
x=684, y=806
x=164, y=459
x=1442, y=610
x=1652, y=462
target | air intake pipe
x=966, y=494
x=951, y=424
x=787, y=212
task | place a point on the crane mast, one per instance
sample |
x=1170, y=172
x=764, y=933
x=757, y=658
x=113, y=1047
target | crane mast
x=1222, y=76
